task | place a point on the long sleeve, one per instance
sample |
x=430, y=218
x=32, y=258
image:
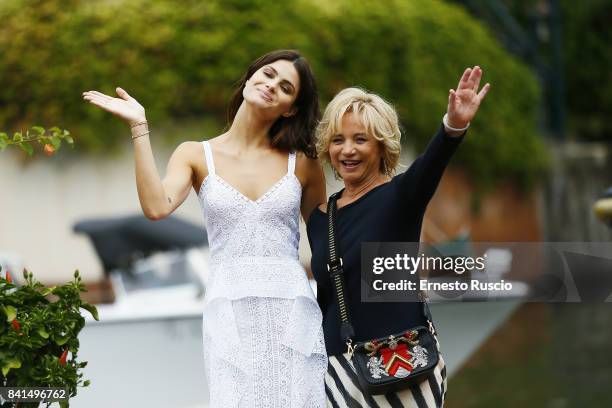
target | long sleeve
x=418, y=184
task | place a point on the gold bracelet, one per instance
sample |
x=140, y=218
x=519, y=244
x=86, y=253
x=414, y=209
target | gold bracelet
x=138, y=124
x=142, y=134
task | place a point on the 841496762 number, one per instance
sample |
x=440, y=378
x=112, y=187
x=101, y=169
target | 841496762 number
x=33, y=394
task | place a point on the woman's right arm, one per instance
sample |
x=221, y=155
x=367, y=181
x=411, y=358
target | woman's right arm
x=158, y=198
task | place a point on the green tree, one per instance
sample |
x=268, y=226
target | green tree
x=181, y=64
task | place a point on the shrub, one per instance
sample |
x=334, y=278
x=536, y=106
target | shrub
x=37, y=334
x=181, y=63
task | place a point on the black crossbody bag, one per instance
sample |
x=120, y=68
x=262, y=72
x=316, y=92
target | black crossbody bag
x=386, y=364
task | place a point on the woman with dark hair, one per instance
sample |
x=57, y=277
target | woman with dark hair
x=263, y=341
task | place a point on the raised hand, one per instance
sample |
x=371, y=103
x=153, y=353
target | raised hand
x=126, y=107
x=464, y=102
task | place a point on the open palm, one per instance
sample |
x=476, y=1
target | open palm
x=464, y=102
x=126, y=107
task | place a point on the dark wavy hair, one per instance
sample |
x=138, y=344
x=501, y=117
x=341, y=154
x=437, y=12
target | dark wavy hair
x=297, y=131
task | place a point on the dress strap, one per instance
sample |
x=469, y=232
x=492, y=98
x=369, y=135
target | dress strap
x=210, y=164
x=291, y=163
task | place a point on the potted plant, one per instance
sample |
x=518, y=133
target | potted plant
x=39, y=329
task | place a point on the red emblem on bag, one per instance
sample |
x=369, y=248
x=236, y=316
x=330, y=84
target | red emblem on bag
x=397, y=360
x=393, y=357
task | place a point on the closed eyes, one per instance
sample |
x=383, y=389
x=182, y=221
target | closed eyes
x=340, y=139
x=286, y=86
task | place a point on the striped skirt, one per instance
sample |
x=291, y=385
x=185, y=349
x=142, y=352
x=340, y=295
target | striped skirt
x=343, y=390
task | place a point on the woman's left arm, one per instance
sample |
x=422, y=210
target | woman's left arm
x=310, y=173
x=420, y=181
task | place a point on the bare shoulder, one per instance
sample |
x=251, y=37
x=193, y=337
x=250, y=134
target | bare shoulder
x=190, y=155
x=188, y=152
x=307, y=167
x=218, y=141
x=190, y=147
x=195, y=150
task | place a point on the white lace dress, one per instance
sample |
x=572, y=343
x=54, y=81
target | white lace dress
x=263, y=341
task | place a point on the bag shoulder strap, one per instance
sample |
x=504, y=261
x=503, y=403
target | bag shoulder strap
x=336, y=271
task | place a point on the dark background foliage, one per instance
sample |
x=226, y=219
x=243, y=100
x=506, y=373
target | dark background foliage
x=181, y=61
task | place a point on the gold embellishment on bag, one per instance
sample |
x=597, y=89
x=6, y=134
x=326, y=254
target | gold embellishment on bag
x=409, y=337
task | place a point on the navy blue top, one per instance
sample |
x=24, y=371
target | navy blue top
x=391, y=212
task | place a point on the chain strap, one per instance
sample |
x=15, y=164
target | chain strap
x=335, y=268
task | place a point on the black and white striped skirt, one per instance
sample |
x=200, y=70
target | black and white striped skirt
x=343, y=390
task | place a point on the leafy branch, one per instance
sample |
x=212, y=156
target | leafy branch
x=51, y=139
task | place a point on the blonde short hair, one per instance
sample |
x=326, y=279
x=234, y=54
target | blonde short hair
x=377, y=116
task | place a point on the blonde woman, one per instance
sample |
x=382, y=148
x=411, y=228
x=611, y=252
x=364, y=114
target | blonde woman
x=359, y=136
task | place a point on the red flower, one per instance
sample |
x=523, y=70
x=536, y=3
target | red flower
x=16, y=325
x=49, y=149
x=8, y=277
x=62, y=359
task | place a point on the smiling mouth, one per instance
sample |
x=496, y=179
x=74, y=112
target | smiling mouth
x=350, y=164
x=265, y=95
